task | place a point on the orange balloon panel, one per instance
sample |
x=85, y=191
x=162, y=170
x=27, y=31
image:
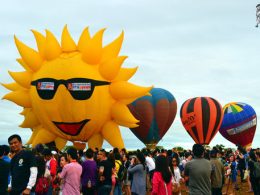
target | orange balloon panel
x=201, y=117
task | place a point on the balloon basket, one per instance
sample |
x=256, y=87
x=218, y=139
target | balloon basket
x=151, y=146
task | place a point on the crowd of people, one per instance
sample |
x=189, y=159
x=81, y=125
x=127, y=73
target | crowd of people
x=45, y=171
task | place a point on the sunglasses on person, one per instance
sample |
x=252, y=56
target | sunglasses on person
x=79, y=88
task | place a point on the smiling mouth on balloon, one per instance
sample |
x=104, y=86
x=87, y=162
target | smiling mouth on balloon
x=70, y=128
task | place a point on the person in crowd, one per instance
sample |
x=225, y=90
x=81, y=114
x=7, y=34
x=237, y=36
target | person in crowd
x=4, y=172
x=162, y=177
x=126, y=181
x=63, y=160
x=81, y=156
x=163, y=152
x=254, y=181
x=105, y=167
x=232, y=173
x=257, y=154
x=118, y=172
x=6, y=158
x=89, y=174
x=6, y=152
x=198, y=172
x=71, y=174
x=51, y=165
x=241, y=166
x=138, y=169
x=151, y=167
x=177, y=179
x=41, y=167
x=23, y=167
x=221, y=157
x=123, y=152
x=217, y=175
x=187, y=158
x=111, y=158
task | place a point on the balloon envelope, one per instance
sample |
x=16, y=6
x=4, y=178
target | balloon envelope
x=155, y=113
x=239, y=123
x=201, y=117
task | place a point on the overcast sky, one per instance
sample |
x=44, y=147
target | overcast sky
x=191, y=48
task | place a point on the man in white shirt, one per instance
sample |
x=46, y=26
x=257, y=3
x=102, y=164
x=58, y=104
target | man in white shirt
x=151, y=167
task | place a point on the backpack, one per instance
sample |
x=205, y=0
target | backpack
x=122, y=172
x=42, y=185
x=256, y=172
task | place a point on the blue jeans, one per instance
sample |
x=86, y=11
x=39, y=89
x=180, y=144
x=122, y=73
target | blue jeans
x=118, y=190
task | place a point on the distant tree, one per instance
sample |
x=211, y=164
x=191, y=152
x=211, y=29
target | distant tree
x=179, y=148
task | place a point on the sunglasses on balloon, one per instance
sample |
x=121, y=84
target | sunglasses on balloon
x=79, y=88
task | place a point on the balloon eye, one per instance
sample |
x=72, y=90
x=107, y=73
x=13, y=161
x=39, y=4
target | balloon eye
x=79, y=88
x=45, y=86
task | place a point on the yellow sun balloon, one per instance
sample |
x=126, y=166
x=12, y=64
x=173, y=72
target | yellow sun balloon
x=76, y=92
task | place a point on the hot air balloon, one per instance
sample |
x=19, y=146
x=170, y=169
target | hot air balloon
x=201, y=117
x=155, y=113
x=239, y=123
x=85, y=103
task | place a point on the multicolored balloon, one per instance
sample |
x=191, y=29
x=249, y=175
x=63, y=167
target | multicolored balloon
x=239, y=123
x=156, y=113
x=201, y=117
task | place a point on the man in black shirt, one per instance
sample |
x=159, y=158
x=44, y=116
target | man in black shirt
x=23, y=168
x=104, y=173
x=4, y=173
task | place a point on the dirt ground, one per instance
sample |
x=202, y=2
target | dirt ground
x=243, y=189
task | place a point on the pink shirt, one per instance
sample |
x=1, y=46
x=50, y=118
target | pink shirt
x=71, y=178
x=159, y=186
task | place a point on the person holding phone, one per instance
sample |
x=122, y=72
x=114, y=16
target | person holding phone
x=138, y=169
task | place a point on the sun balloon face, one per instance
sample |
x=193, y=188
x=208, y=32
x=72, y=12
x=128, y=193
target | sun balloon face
x=76, y=92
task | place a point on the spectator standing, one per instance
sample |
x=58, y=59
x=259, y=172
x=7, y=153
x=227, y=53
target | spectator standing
x=89, y=174
x=105, y=167
x=118, y=171
x=198, y=172
x=62, y=162
x=138, y=169
x=254, y=181
x=6, y=158
x=177, y=179
x=217, y=175
x=4, y=173
x=6, y=152
x=126, y=181
x=51, y=165
x=71, y=174
x=41, y=167
x=162, y=177
x=150, y=165
x=23, y=167
x=241, y=156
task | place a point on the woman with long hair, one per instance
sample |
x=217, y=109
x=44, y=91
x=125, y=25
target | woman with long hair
x=162, y=177
x=176, y=173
